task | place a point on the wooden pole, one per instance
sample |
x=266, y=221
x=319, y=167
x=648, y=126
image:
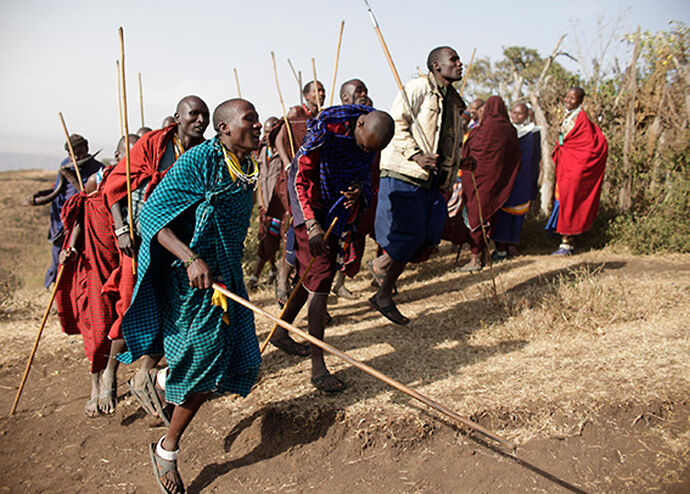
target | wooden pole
x=71, y=152
x=469, y=69
x=298, y=79
x=337, y=59
x=316, y=87
x=485, y=236
x=38, y=338
x=425, y=142
x=141, y=99
x=130, y=213
x=369, y=370
x=282, y=105
x=119, y=97
x=237, y=83
x=296, y=289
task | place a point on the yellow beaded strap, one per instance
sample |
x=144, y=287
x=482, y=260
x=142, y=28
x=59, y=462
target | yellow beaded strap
x=178, y=149
x=235, y=169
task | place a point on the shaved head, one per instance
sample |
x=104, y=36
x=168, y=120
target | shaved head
x=353, y=92
x=228, y=110
x=519, y=113
x=188, y=101
x=374, y=130
x=120, y=150
x=191, y=117
x=238, y=126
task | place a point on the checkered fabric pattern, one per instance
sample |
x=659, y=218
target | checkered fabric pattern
x=206, y=209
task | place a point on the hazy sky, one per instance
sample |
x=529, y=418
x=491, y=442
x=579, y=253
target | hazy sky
x=60, y=55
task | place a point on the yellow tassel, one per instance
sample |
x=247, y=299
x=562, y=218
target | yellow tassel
x=220, y=300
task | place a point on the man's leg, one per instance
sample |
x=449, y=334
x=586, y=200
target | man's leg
x=281, y=338
x=181, y=417
x=253, y=280
x=316, y=316
x=383, y=299
x=107, y=398
x=148, y=362
x=91, y=407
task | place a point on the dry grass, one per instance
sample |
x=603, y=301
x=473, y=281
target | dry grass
x=570, y=337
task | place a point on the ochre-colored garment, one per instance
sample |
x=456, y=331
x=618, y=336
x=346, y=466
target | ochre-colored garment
x=580, y=164
x=84, y=300
x=494, y=145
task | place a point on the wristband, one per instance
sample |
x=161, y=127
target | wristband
x=189, y=261
x=122, y=230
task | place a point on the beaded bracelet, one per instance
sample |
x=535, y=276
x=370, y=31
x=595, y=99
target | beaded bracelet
x=122, y=230
x=189, y=261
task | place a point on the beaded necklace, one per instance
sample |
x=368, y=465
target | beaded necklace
x=235, y=168
x=178, y=149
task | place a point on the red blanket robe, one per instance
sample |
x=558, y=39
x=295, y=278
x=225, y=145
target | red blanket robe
x=87, y=291
x=144, y=158
x=580, y=163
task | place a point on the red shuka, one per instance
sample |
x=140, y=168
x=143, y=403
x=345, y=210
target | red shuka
x=86, y=296
x=580, y=163
x=144, y=158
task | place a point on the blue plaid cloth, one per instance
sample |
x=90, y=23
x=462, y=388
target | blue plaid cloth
x=206, y=209
x=341, y=163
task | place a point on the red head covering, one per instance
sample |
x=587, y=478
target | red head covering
x=494, y=144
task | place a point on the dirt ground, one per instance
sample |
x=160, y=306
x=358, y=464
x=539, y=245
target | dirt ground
x=583, y=362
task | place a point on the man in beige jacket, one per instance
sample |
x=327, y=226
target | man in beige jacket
x=411, y=211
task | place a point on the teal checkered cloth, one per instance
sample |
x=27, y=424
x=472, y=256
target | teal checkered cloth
x=210, y=212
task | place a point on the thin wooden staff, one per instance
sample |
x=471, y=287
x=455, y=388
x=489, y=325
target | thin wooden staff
x=141, y=99
x=282, y=106
x=425, y=142
x=71, y=152
x=119, y=97
x=38, y=338
x=297, y=287
x=337, y=59
x=237, y=83
x=369, y=370
x=298, y=79
x=469, y=69
x=484, y=235
x=130, y=213
x=316, y=87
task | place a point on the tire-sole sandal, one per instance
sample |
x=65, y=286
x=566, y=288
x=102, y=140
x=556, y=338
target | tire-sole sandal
x=290, y=346
x=167, y=466
x=156, y=400
x=319, y=383
x=143, y=399
x=390, y=312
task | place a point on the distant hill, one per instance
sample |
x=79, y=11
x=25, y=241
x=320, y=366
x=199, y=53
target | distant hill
x=22, y=161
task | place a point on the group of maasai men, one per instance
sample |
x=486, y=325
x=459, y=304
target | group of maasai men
x=324, y=179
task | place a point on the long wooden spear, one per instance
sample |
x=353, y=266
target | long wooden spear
x=282, y=106
x=119, y=97
x=296, y=289
x=337, y=59
x=298, y=79
x=237, y=83
x=58, y=277
x=316, y=87
x=369, y=370
x=467, y=75
x=141, y=98
x=130, y=213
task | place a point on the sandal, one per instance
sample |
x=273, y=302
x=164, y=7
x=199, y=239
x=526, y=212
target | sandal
x=390, y=312
x=376, y=277
x=156, y=398
x=165, y=467
x=322, y=383
x=143, y=398
x=290, y=346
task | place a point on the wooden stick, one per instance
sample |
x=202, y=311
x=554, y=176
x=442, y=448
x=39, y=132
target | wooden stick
x=337, y=59
x=282, y=105
x=316, y=87
x=297, y=287
x=119, y=97
x=369, y=370
x=141, y=99
x=469, y=69
x=298, y=79
x=38, y=338
x=237, y=83
x=425, y=142
x=486, y=238
x=130, y=213
x=71, y=152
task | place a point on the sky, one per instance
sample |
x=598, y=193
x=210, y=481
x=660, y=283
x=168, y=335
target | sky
x=59, y=56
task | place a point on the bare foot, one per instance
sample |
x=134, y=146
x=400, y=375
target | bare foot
x=91, y=408
x=107, y=397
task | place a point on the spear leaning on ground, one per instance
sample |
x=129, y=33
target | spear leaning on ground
x=425, y=142
x=369, y=370
x=337, y=58
x=119, y=97
x=58, y=277
x=297, y=287
x=141, y=99
x=130, y=213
